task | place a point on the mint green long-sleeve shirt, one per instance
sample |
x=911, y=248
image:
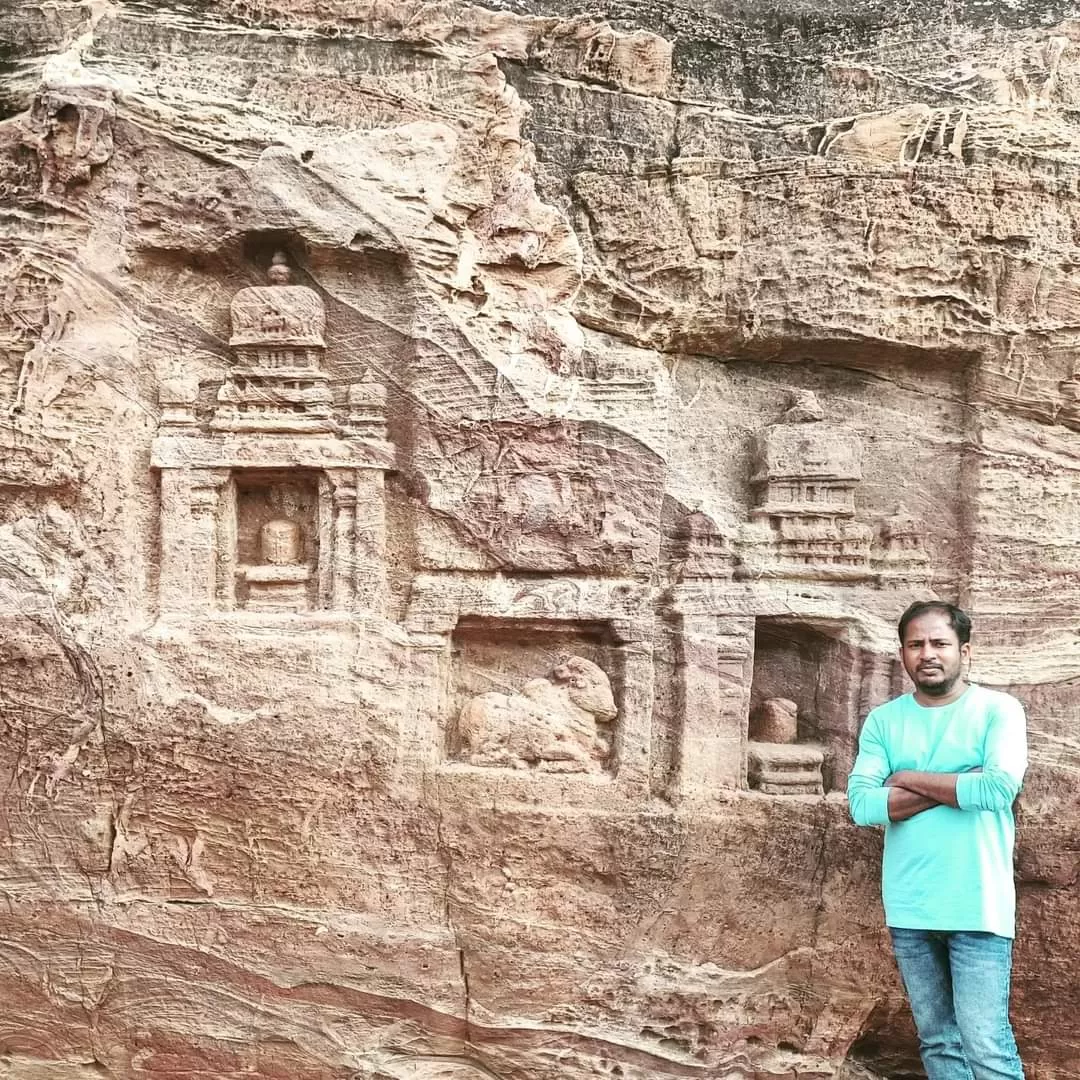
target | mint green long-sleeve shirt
x=946, y=868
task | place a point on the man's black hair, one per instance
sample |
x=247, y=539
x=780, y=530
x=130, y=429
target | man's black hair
x=959, y=620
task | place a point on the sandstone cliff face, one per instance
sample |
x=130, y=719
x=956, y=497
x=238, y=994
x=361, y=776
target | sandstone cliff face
x=444, y=448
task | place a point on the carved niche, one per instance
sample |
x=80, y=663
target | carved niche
x=812, y=685
x=534, y=694
x=269, y=501
x=539, y=684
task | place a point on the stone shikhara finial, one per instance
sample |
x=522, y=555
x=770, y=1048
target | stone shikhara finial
x=280, y=273
x=803, y=408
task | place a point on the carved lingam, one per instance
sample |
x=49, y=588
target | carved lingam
x=776, y=763
x=279, y=583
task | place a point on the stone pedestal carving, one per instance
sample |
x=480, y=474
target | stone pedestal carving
x=271, y=504
x=776, y=763
x=785, y=769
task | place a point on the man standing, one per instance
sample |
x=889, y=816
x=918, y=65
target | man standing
x=940, y=769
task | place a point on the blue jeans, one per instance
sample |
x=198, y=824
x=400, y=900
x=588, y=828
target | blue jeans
x=958, y=986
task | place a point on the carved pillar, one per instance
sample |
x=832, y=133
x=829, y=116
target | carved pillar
x=357, y=538
x=423, y=731
x=175, y=580
x=203, y=538
x=633, y=727
x=369, y=552
x=340, y=540
x=716, y=661
x=225, y=545
x=877, y=683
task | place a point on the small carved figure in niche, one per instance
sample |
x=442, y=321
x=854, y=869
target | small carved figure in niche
x=280, y=581
x=776, y=763
x=551, y=723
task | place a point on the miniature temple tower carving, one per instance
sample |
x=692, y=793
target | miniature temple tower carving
x=902, y=557
x=803, y=523
x=269, y=501
x=277, y=383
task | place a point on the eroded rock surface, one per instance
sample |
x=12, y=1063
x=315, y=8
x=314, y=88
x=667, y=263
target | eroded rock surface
x=369, y=373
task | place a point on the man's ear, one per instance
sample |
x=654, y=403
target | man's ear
x=965, y=651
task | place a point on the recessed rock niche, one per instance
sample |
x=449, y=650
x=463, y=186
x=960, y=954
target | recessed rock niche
x=811, y=687
x=277, y=539
x=534, y=694
x=276, y=501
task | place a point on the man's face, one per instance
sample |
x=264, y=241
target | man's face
x=932, y=654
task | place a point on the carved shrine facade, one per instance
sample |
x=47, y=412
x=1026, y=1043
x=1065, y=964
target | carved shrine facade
x=269, y=501
x=735, y=656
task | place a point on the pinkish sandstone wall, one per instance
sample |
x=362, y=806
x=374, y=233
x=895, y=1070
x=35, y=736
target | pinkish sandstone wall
x=684, y=345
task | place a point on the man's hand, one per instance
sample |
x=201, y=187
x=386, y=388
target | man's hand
x=904, y=804
x=915, y=791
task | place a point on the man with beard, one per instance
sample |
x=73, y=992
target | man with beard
x=940, y=768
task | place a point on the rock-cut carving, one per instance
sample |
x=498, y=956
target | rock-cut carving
x=699, y=549
x=776, y=763
x=902, y=556
x=560, y=723
x=277, y=337
x=278, y=582
x=71, y=129
x=272, y=503
x=803, y=522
